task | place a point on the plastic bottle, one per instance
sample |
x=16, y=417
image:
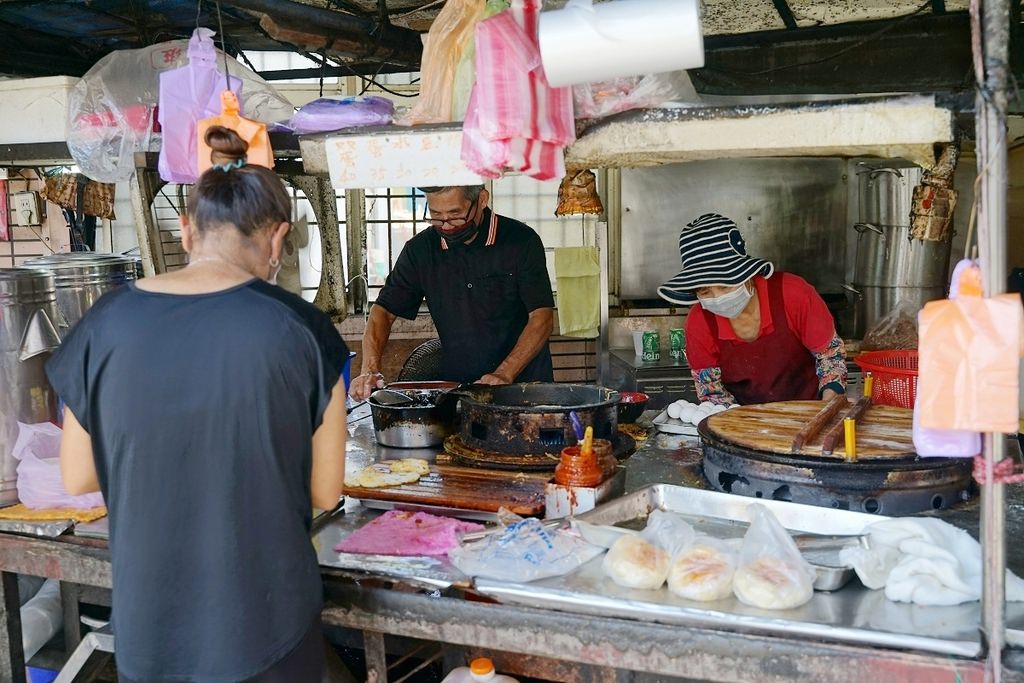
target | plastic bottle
x=41, y=618
x=481, y=669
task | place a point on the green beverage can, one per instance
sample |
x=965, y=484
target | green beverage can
x=676, y=343
x=651, y=346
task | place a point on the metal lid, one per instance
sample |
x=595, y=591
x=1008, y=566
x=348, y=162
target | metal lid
x=26, y=285
x=77, y=269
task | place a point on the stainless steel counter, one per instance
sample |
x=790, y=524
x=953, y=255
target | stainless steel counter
x=846, y=615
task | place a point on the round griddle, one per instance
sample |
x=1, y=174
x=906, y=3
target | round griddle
x=747, y=451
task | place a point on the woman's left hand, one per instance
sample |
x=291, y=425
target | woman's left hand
x=829, y=394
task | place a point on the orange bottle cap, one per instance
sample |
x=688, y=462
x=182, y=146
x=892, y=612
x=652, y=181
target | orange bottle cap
x=481, y=666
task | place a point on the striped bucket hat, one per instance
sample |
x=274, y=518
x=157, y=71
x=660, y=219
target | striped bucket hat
x=713, y=253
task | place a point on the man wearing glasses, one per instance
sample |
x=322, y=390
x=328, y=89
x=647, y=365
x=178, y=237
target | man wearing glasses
x=486, y=285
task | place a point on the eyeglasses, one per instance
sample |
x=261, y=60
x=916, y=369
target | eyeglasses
x=454, y=222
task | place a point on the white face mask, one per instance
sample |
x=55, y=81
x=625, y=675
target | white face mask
x=728, y=305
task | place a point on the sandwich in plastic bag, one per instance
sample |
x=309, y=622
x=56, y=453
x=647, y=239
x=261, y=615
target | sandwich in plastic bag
x=771, y=573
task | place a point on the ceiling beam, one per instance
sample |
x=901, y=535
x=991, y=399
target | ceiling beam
x=785, y=13
x=386, y=42
x=920, y=54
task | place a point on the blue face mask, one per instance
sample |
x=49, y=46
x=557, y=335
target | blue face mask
x=728, y=305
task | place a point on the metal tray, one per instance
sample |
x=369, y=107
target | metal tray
x=853, y=614
x=821, y=532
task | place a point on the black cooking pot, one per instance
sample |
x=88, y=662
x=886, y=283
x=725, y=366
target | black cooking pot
x=533, y=418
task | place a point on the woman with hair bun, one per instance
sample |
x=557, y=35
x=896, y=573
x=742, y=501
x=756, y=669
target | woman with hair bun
x=205, y=404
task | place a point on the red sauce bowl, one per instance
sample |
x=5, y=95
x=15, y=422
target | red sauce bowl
x=632, y=405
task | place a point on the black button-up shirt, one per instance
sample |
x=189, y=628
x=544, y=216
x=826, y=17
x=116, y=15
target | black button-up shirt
x=479, y=295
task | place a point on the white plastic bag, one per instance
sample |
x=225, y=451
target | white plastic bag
x=39, y=482
x=524, y=551
x=669, y=531
x=772, y=574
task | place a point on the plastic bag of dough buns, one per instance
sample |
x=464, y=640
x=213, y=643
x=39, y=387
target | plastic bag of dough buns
x=703, y=571
x=633, y=562
x=771, y=574
x=643, y=561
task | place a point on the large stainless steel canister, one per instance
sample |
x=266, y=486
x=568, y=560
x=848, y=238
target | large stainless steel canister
x=885, y=191
x=889, y=266
x=82, y=278
x=888, y=257
x=28, y=309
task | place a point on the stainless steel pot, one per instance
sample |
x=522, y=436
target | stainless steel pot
x=888, y=257
x=426, y=421
x=28, y=309
x=82, y=278
x=886, y=190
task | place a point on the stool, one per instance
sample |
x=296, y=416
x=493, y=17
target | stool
x=84, y=663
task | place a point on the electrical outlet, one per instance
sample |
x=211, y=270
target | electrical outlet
x=27, y=210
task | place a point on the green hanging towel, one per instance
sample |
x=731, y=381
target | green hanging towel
x=578, y=276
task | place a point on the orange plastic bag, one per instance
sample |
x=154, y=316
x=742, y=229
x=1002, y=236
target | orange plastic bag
x=443, y=45
x=969, y=360
x=253, y=132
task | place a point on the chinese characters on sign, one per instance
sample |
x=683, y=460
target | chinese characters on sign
x=398, y=160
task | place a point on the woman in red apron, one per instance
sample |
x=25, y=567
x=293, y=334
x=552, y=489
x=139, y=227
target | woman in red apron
x=753, y=335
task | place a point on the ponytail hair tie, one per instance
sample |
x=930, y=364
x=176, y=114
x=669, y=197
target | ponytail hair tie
x=238, y=163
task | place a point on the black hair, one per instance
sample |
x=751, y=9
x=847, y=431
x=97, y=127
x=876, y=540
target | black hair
x=249, y=197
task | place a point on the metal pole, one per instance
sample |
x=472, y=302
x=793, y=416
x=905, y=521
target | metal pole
x=992, y=165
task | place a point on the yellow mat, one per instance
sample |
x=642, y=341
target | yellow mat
x=23, y=514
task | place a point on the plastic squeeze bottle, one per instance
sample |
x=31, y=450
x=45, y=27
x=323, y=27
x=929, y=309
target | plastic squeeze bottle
x=480, y=669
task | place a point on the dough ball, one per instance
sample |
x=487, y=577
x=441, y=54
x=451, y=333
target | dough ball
x=632, y=562
x=772, y=583
x=417, y=465
x=688, y=412
x=702, y=572
x=732, y=405
x=718, y=408
x=674, y=411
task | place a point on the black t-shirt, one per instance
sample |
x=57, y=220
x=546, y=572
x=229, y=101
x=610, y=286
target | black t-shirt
x=479, y=295
x=201, y=410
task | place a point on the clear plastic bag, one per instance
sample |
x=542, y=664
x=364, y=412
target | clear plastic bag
x=524, y=551
x=111, y=109
x=326, y=114
x=896, y=330
x=772, y=574
x=703, y=571
x=39, y=481
x=594, y=100
x=669, y=531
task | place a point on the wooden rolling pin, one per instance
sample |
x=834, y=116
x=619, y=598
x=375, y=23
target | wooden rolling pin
x=818, y=422
x=833, y=435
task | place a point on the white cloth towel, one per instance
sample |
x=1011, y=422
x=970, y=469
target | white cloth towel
x=925, y=561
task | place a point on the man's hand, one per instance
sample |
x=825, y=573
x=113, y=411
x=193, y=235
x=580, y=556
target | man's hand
x=493, y=378
x=365, y=384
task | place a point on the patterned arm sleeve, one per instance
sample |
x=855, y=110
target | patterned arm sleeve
x=830, y=364
x=710, y=387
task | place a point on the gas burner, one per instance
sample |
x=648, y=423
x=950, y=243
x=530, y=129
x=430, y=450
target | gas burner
x=897, y=486
x=623, y=445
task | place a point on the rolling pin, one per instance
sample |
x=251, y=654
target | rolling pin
x=817, y=423
x=833, y=435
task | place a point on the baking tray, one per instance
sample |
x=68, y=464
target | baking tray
x=725, y=516
x=853, y=614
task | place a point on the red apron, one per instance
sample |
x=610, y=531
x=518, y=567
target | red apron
x=773, y=367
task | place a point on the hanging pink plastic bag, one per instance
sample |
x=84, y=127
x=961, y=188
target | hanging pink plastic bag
x=515, y=120
x=188, y=94
x=39, y=482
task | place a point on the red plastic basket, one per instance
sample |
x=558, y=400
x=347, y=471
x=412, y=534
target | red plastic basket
x=895, y=374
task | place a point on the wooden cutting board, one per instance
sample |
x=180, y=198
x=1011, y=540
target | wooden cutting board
x=467, y=488
x=884, y=431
